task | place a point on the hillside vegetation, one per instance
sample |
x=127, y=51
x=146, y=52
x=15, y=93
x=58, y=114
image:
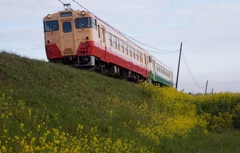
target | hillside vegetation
x=47, y=107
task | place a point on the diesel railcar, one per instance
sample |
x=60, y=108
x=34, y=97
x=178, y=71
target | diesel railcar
x=81, y=39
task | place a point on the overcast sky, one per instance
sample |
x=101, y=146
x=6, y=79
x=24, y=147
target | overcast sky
x=208, y=29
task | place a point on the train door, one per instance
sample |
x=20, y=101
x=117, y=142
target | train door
x=67, y=38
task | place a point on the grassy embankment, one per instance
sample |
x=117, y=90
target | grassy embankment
x=46, y=107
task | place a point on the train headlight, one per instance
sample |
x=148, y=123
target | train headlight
x=49, y=16
x=83, y=13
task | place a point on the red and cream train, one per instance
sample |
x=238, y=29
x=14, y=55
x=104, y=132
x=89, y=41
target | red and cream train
x=81, y=39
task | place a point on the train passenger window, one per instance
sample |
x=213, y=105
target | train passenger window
x=137, y=54
x=158, y=67
x=153, y=64
x=150, y=59
x=99, y=36
x=164, y=71
x=51, y=26
x=130, y=51
x=67, y=27
x=103, y=34
x=145, y=61
x=121, y=46
x=133, y=53
x=115, y=42
x=126, y=48
x=118, y=43
x=110, y=39
x=141, y=58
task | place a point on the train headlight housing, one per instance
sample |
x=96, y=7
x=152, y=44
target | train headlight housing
x=49, y=16
x=83, y=13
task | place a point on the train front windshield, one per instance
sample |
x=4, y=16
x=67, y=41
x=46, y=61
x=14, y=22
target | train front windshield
x=50, y=26
x=85, y=23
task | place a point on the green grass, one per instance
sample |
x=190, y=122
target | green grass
x=55, y=96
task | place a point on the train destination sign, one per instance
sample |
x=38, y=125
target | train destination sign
x=66, y=14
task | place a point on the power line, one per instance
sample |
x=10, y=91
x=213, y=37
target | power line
x=61, y=2
x=122, y=32
x=190, y=73
x=162, y=52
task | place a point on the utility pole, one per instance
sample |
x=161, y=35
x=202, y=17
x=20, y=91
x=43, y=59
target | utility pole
x=179, y=65
x=206, y=87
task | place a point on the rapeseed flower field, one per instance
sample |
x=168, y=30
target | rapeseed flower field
x=166, y=114
x=46, y=108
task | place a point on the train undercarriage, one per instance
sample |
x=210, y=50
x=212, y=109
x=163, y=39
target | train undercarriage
x=95, y=64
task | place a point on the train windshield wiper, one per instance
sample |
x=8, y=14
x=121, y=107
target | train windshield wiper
x=80, y=25
x=53, y=28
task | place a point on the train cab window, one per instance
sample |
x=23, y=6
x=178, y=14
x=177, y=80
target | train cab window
x=85, y=23
x=82, y=23
x=67, y=27
x=50, y=26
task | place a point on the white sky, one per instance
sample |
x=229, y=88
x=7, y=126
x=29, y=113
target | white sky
x=209, y=30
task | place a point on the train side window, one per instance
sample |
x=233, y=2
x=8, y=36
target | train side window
x=141, y=58
x=67, y=27
x=99, y=36
x=94, y=23
x=118, y=43
x=103, y=34
x=121, y=46
x=115, y=42
x=137, y=54
x=126, y=48
x=110, y=39
x=130, y=51
x=158, y=69
x=145, y=59
x=133, y=53
x=150, y=59
x=153, y=63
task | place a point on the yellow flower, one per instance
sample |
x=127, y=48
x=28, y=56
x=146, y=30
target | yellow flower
x=29, y=112
x=2, y=116
x=38, y=127
x=3, y=149
x=21, y=126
